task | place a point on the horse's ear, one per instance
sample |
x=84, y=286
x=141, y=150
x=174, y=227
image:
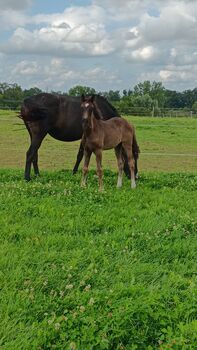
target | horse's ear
x=92, y=98
x=82, y=98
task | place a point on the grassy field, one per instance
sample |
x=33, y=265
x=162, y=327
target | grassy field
x=168, y=144
x=84, y=270
x=81, y=270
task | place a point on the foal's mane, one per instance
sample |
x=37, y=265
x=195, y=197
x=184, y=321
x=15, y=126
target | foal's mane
x=97, y=111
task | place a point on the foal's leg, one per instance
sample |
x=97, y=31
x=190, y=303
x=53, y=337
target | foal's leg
x=126, y=165
x=98, y=154
x=129, y=153
x=87, y=155
x=79, y=158
x=118, y=152
x=136, y=170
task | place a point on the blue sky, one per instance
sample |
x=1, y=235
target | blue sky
x=105, y=44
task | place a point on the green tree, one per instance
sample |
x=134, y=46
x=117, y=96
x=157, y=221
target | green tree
x=142, y=88
x=112, y=95
x=32, y=91
x=11, y=95
x=194, y=107
x=78, y=90
x=155, y=90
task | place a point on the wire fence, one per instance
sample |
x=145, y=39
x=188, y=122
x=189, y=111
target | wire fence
x=161, y=113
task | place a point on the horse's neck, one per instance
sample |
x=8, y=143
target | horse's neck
x=94, y=122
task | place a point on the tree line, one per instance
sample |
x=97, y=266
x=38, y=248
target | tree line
x=145, y=98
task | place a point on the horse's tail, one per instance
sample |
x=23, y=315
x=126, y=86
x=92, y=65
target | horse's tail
x=31, y=111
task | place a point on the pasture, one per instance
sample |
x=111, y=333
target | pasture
x=83, y=270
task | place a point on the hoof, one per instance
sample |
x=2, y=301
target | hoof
x=101, y=189
x=27, y=179
x=118, y=186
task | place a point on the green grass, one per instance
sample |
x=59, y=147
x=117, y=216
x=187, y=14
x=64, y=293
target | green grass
x=166, y=136
x=84, y=270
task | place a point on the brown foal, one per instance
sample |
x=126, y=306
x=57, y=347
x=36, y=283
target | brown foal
x=99, y=135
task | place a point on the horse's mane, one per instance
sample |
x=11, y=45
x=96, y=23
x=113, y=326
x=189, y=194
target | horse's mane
x=104, y=108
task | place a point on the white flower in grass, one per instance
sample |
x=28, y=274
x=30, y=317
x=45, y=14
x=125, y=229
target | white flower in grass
x=82, y=283
x=57, y=326
x=69, y=286
x=64, y=318
x=61, y=293
x=73, y=346
x=82, y=308
x=91, y=301
x=87, y=288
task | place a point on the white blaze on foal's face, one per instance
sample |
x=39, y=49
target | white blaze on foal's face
x=85, y=113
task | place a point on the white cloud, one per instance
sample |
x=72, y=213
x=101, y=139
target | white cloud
x=136, y=39
x=74, y=32
x=59, y=75
x=146, y=53
x=174, y=73
x=82, y=40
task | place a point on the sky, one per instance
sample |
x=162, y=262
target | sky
x=104, y=44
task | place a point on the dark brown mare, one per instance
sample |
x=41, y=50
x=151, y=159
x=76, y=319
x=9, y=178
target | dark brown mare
x=99, y=135
x=60, y=117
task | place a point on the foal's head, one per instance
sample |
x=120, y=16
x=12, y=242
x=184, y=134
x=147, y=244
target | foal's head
x=87, y=105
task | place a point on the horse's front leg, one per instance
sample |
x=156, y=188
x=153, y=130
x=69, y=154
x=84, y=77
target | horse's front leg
x=87, y=155
x=35, y=165
x=98, y=154
x=32, y=155
x=79, y=157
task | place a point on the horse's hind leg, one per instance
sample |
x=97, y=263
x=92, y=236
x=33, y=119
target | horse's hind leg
x=118, y=152
x=79, y=158
x=126, y=164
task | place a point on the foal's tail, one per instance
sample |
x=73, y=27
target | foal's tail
x=135, y=151
x=135, y=147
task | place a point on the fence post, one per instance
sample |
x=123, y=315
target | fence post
x=153, y=111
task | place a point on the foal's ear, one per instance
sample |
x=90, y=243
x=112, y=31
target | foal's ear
x=82, y=98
